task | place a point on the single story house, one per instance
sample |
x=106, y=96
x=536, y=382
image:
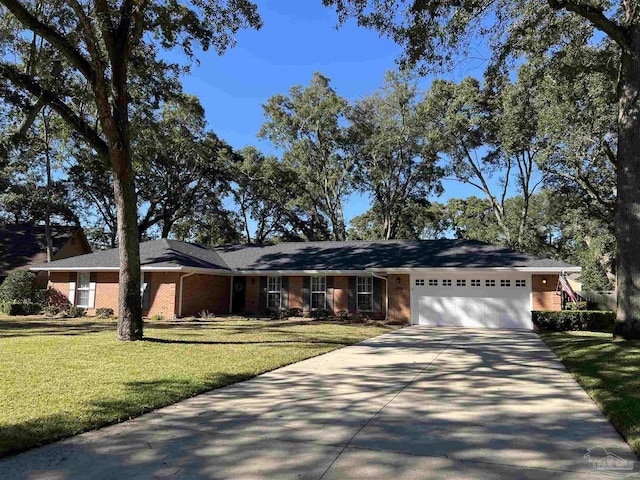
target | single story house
x=431, y=282
x=24, y=245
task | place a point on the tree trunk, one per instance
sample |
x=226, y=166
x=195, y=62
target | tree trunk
x=129, y=300
x=627, y=217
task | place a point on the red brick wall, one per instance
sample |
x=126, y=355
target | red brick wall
x=252, y=295
x=544, y=295
x=399, y=299
x=205, y=292
x=163, y=294
x=295, y=292
x=60, y=281
x=106, y=291
x=340, y=293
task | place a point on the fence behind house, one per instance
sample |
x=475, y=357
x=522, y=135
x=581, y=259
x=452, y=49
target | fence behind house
x=599, y=300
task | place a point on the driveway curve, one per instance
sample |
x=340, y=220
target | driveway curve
x=415, y=403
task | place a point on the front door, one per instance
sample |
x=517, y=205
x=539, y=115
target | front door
x=237, y=302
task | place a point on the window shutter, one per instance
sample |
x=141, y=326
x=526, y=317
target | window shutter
x=353, y=285
x=262, y=305
x=377, y=295
x=72, y=289
x=285, y=293
x=92, y=289
x=306, y=294
x=146, y=292
x=330, y=294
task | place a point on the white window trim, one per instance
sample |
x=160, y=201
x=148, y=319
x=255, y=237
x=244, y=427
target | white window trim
x=279, y=291
x=80, y=288
x=323, y=280
x=367, y=282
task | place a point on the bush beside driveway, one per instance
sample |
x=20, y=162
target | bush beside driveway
x=60, y=378
x=610, y=373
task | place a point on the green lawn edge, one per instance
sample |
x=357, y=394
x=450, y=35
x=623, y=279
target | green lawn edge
x=609, y=371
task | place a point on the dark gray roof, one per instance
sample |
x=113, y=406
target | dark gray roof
x=351, y=255
x=157, y=253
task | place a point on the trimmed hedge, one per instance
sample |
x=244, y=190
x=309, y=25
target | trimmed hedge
x=574, y=320
x=17, y=308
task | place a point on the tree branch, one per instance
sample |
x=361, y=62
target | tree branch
x=27, y=83
x=66, y=48
x=597, y=18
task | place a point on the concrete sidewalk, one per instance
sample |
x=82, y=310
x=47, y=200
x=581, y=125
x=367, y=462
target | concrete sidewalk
x=415, y=403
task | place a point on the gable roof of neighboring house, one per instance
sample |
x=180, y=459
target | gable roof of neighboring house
x=317, y=256
x=24, y=245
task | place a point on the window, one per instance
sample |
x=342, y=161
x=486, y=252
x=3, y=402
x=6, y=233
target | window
x=433, y=283
x=274, y=297
x=318, y=292
x=420, y=282
x=505, y=283
x=461, y=283
x=365, y=294
x=475, y=283
x=446, y=283
x=521, y=283
x=489, y=283
x=82, y=289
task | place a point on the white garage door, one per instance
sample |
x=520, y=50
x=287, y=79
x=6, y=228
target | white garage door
x=489, y=300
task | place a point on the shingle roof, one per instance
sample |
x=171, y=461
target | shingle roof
x=349, y=255
x=160, y=254
x=22, y=245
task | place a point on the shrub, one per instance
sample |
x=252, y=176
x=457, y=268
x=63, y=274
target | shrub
x=320, y=313
x=277, y=313
x=20, y=308
x=74, y=312
x=359, y=317
x=206, y=314
x=344, y=315
x=56, y=302
x=574, y=320
x=158, y=317
x=294, y=312
x=18, y=287
x=104, y=313
x=578, y=306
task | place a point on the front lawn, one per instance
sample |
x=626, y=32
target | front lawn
x=609, y=372
x=59, y=378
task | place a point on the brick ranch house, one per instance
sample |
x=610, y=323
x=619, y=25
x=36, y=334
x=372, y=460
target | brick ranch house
x=431, y=282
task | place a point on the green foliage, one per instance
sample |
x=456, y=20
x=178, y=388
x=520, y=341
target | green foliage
x=307, y=125
x=574, y=320
x=104, y=313
x=158, y=317
x=74, y=312
x=19, y=286
x=320, y=313
x=20, y=308
x=394, y=162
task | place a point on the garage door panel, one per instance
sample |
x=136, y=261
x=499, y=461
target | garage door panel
x=489, y=307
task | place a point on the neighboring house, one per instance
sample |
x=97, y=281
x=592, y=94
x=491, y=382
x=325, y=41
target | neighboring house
x=25, y=245
x=431, y=282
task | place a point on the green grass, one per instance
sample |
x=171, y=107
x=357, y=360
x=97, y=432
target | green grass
x=59, y=378
x=609, y=372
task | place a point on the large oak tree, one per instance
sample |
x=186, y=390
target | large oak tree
x=105, y=46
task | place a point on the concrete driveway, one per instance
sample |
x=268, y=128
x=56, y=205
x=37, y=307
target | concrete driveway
x=416, y=403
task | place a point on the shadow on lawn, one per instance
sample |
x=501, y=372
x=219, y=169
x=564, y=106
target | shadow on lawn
x=512, y=404
x=248, y=342
x=26, y=328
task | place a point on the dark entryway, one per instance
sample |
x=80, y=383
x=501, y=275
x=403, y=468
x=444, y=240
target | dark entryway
x=237, y=299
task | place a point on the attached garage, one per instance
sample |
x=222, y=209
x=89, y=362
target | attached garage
x=479, y=299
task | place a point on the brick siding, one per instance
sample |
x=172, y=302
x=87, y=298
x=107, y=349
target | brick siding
x=295, y=292
x=544, y=295
x=340, y=293
x=205, y=292
x=252, y=295
x=399, y=299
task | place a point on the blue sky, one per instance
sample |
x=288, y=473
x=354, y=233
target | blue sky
x=298, y=38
